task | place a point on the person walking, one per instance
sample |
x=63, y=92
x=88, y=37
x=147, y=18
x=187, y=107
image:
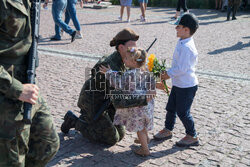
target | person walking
x=143, y=7
x=58, y=8
x=21, y=144
x=127, y=4
x=233, y=6
x=180, y=4
x=71, y=14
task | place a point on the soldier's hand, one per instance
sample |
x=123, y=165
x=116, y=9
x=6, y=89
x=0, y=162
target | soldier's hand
x=29, y=94
x=104, y=69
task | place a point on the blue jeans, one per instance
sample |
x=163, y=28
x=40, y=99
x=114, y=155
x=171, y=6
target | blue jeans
x=179, y=103
x=71, y=13
x=58, y=7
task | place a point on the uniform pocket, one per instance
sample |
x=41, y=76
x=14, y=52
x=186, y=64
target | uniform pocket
x=10, y=111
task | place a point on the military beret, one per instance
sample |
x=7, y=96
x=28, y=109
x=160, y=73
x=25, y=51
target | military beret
x=125, y=35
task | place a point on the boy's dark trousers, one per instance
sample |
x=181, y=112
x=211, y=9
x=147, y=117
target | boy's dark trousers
x=179, y=102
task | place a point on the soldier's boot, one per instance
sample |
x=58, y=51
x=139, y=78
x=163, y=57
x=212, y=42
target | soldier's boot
x=234, y=13
x=228, y=13
x=80, y=124
x=70, y=120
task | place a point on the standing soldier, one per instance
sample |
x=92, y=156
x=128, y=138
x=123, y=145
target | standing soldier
x=97, y=114
x=233, y=6
x=21, y=144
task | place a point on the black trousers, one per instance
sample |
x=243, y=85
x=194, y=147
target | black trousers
x=181, y=4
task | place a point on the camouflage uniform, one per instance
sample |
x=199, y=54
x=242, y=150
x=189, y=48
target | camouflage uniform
x=103, y=130
x=20, y=144
x=233, y=6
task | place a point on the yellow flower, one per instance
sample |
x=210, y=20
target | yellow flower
x=156, y=68
x=151, y=59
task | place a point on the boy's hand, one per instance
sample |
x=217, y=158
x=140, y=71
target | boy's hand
x=164, y=75
x=104, y=69
x=159, y=85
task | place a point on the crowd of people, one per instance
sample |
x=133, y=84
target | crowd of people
x=68, y=7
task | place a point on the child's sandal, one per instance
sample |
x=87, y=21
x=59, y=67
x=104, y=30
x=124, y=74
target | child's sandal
x=142, y=152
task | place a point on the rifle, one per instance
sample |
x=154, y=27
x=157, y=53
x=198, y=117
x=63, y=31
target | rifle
x=107, y=102
x=32, y=54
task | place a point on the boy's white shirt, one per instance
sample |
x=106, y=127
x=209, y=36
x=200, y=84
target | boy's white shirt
x=184, y=61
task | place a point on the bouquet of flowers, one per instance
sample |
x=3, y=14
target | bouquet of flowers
x=156, y=68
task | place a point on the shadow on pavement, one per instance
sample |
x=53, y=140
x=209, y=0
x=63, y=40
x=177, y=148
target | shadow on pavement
x=78, y=151
x=104, y=22
x=235, y=47
x=246, y=37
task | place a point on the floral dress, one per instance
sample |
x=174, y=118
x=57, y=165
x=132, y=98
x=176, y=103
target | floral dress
x=134, y=118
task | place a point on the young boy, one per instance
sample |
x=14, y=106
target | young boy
x=184, y=82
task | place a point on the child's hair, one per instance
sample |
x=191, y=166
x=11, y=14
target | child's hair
x=189, y=20
x=138, y=55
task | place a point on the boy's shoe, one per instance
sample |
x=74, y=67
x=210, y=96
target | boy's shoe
x=188, y=141
x=69, y=121
x=78, y=35
x=164, y=134
x=128, y=21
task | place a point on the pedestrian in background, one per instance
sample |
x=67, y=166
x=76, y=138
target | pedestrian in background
x=125, y=3
x=143, y=7
x=180, y=4
x=218, y=4
x=224, y=5
x=58, y=8
x=71, y=14
x=233, y=6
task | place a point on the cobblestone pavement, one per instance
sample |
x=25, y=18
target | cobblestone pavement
x=221, y=109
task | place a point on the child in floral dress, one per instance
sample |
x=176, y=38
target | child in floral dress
x=136, y=119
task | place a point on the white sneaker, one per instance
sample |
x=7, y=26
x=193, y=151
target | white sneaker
x=78, y=35
x=128, y=21
x=143, y=19
x=120, y=18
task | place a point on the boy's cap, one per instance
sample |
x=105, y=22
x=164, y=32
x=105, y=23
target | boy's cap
x=126, y=34
x=188, y=20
